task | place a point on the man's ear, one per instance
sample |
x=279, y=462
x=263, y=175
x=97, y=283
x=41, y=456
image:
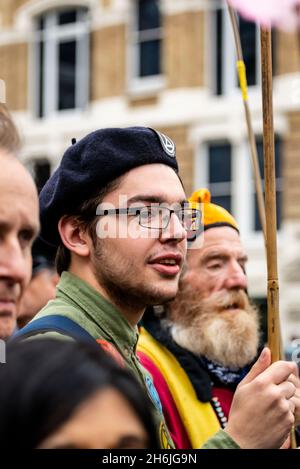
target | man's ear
x=74, y=237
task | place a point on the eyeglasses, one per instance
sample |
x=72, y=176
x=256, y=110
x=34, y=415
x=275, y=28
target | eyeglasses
x=158, y=218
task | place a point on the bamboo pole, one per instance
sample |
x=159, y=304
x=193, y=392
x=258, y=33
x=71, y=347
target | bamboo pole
x=270, y=197
x=267, y=212
x=274, y=336
x=251, y=137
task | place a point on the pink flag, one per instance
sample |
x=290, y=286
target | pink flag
x=283, y=14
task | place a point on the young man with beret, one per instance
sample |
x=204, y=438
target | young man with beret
x=116, y=210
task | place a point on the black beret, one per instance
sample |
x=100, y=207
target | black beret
x=92, y=163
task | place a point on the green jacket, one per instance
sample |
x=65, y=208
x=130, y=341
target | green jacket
x=80, y=302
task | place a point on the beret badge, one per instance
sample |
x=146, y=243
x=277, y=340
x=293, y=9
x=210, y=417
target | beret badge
x=167, y=144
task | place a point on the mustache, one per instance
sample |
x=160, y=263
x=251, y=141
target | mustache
x=225, y=299
x=189, y=305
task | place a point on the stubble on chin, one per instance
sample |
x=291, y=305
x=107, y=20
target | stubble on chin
x=127, y=284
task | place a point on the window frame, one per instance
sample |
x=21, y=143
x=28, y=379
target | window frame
x=136, y=83
x=224, y=187
x=51, y=36
x=229, y=79
x=242, y=208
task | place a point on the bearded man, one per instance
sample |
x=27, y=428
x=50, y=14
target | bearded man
x=202, y=344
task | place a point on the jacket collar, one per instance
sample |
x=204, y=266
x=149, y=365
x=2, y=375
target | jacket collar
x=97, y=309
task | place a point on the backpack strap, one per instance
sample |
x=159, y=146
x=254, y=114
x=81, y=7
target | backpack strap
x=54, y=323
x=65, y=326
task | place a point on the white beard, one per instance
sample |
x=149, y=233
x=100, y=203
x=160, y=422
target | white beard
x=229, y=338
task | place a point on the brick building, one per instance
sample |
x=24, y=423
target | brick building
x=71, y=66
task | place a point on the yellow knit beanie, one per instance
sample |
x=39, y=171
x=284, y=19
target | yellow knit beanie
x=213, y=215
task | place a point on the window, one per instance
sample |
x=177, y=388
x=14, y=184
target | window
x=147, y=39
x=225, y=56
x=225, y=168
x=62, y=60
x=259, y=143
x=219, y=174
x=219, y=51
x=249, y=37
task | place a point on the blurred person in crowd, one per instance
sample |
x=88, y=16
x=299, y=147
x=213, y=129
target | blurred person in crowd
x=10, y=141
x=200, y=346
x=70, y=395
x=117, y=212
x=19, y=224
x=42, y=286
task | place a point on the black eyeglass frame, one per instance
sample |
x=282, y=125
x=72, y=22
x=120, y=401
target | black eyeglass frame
x=138, y=210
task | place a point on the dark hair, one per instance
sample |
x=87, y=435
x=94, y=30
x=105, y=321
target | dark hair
x=9, y=136
x=43, y=257
x=85, y=217
x=43, y=382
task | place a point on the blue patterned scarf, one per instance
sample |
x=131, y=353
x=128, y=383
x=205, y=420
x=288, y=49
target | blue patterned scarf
x=224, y=375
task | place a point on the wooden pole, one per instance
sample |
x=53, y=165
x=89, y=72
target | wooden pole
x=251, y=137
x=274, y=336
x=267, y=212
x=270, y=191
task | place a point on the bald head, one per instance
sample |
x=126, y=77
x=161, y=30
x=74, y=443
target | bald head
x=15, y=178
x=19, y=225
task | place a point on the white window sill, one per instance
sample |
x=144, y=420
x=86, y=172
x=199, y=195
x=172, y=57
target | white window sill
x=146, y=87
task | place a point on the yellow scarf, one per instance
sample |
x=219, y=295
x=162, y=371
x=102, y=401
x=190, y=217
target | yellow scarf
x=198, y=418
